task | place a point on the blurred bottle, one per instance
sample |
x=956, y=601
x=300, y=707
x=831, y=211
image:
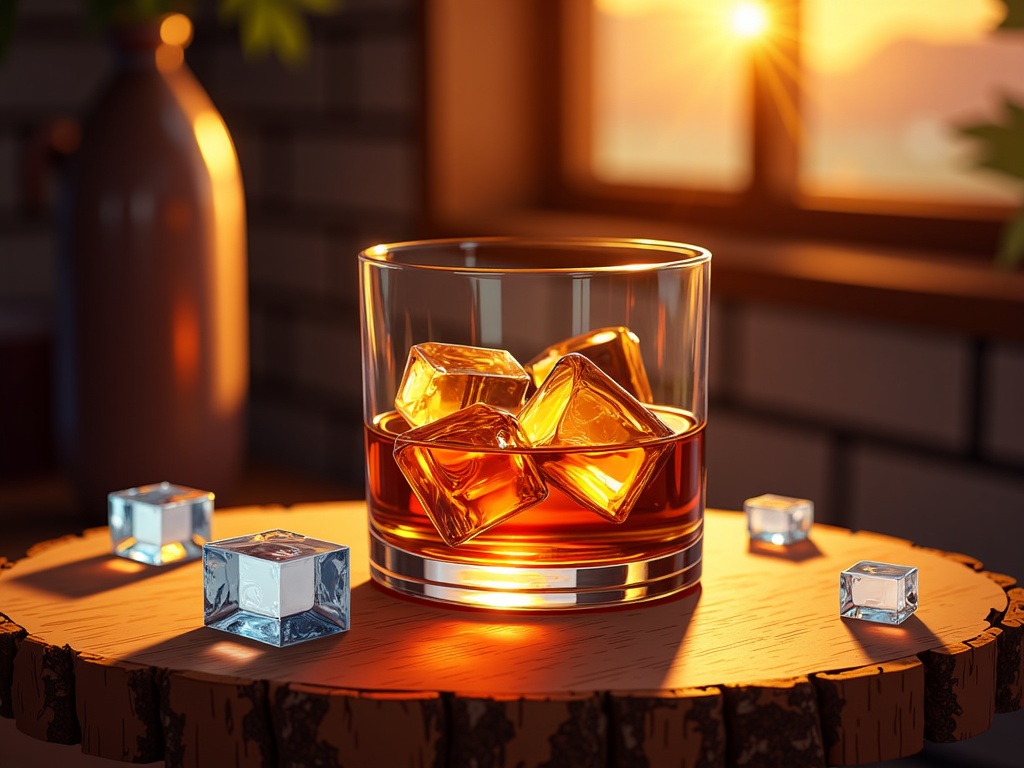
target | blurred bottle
x=152, y=329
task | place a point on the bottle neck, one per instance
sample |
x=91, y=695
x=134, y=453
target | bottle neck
x=139, y=46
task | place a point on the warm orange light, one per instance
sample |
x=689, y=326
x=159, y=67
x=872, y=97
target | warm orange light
x=749, y=19
x=215, y=143
x=176, y=29
x=503, y=588
x=500, y=600
x=169, y=58
x=841, y=37
x=122, y=565
x=185, y=340
x=170, y=553
x=232, y=652
x=229, y=352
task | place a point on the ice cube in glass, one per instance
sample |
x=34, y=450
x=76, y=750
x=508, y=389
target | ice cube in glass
x=881, y=592
x=610, y=443
x=616, y=351
x=276, y=587
x=160, y=523
x=469, y=472
x=440, y=379
x=778, y=519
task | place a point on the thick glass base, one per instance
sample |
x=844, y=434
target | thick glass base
x=534, y=588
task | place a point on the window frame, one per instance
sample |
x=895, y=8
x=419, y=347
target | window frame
x=772, y=205
x=491, y=134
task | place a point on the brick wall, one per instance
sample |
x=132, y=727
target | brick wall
x=50, y=71
x=891, y=428
x=331, y=163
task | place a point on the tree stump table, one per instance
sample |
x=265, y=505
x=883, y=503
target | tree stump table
x=755, y=668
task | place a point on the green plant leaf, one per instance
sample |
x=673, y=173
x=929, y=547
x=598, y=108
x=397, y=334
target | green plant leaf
x=230, y=10
x=322, y=7
x=1001, y=143
x=1014, y=18
x=256, y=25
x=274, y=26
x=291, y=37
x=1011, y=247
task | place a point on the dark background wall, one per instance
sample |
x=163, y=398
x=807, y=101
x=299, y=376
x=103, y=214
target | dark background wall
x=331, y=162
x=915, y=432
x=887, y=426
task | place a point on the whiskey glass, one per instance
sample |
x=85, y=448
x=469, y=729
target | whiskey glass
x=596, y=465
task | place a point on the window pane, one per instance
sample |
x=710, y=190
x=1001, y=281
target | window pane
x=885, y=84
x=670, y=93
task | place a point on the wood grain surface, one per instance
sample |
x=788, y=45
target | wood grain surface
x=758, y=653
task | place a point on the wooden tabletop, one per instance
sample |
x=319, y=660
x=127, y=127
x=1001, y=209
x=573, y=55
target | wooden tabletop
x=756, y=667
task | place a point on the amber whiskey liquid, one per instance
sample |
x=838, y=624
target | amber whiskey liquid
x=557, y=553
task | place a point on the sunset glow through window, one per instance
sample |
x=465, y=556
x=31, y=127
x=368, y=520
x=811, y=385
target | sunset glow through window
x=749, y=19
x=875, y=94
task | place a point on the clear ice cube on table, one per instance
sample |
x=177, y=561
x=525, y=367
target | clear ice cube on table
x=616, y=351
x=160, y=523
x=469, y=472
x=879, y=592
x=440, y=379
x=611, y=442
x=277, y=587
x=778, y=519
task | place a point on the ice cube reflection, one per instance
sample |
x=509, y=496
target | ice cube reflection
x=616, y=351
x=440, y=379
x=473, y=465
x=468, y=470
x=579, y=406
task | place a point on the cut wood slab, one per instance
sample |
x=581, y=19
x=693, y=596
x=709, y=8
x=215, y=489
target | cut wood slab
x=960, y=688
x=326, y=726
x=682, y=729
x=43, y=692
x=505, y=732
x=774, y=722
x=872, y=713
x=1010, y=654
x=11, y=636
x=212, y=720
x=118, y=708
x=673, y=683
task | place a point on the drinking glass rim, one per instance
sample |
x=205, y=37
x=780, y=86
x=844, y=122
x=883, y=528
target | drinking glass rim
x=696, y=255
